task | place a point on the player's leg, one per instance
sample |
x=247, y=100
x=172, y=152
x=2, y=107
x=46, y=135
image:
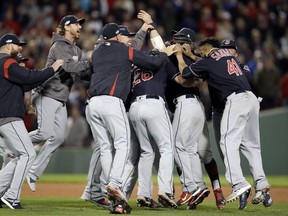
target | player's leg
x=232, y=128
x=184, y=128
x=216, y=120
x=18, y=141
x=100, y=134
x=93, y=189
x=205, y=153
x=251, y=148
x=147, y=154
x=6, y=175
x=111, y=124
x=5, y=153
x=45, y=109
x=193, y=146
x=130, y=174
x=159, y=126
x=56, y=139
x=118, y=126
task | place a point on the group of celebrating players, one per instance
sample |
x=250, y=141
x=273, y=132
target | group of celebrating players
x=144, y=110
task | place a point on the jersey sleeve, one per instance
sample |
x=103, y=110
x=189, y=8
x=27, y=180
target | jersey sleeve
x=138, y=41
x=22, y=76
x=72, y=63
x=145, y=61
x=197, y=69
x=171, y=70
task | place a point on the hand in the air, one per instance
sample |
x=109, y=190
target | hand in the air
x=145, y=17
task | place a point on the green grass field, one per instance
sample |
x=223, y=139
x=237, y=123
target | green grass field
x=74, y=206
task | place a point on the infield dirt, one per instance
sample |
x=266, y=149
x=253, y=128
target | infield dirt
x=76, y=190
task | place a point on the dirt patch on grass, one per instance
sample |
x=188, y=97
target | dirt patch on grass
x=76, y=190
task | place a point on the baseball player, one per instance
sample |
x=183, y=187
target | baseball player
x=14, y=80
x=130, y=174
x=188, y=121
x=109, y=88
x=93, y=190
x=50, y=102
x=6, y=154
x=218, y=108
x=149, y=84
x=131, y=167
x=240, y=120
x=151, y=122
x=188, y=105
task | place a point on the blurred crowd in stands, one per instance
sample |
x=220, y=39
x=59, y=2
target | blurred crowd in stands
x=259, y=28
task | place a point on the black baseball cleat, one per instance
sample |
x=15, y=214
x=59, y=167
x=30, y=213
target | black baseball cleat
x=267, y=200
x=102, y=203
x=12, y=205
x=147, y=202
x=167, y=200
x=155, y=204
x=263, y=196
x=204, y=193
x=243, y=199
x=1, y=203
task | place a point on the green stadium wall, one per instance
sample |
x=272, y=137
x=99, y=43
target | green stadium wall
x=274, y=140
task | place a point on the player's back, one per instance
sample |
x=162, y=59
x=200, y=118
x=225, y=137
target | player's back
x=111, y=70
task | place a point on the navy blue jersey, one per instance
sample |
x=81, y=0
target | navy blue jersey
x=248, y=74
x=173, y=89
x=222, y=72
x=215, y=99
x=150, y=82
x=112, y=62
x=14, y=81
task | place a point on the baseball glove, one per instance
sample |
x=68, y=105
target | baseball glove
x=120, y=207
x=181, y=39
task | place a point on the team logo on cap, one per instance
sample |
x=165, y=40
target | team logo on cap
x=8, y=41
x=67, y=22
x=227, y=42
x=117, y=32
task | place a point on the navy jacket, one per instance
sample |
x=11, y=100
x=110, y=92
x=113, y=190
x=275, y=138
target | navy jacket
x=112, y=68
x=14, y=81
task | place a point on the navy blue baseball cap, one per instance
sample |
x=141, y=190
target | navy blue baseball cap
x=228, y=43
x=11, y=39
x=71, y=19
x=188, y=32
x=110, y=30
x=124, y=31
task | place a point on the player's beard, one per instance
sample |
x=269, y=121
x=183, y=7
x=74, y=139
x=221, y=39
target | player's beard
x=76, y=34
x=14, y=53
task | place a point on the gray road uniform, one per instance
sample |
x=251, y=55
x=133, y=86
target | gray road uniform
x=5, y=153
x=94, y=188
x=109, y=88
x=50, y=104
x=240, y=120
x=188, y=122
x=14, y=81
x=152, y=125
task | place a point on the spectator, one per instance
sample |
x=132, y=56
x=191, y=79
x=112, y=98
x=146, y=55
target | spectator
x=267, y=83
x=76, y=129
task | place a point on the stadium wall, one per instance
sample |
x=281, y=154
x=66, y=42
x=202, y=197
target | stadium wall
x=274, y=139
